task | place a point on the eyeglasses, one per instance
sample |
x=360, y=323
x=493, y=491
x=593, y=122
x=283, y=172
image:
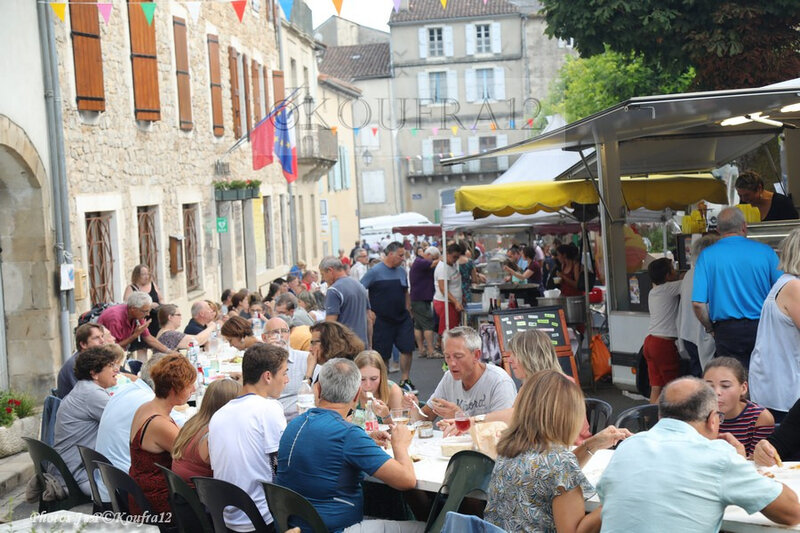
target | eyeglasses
x=281, y=331
x=720, y=414
x=315, y=342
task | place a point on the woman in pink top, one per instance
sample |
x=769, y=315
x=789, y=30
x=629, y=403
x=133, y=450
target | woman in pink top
x=190, y=451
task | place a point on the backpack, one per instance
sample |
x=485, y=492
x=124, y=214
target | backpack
x=92, y=314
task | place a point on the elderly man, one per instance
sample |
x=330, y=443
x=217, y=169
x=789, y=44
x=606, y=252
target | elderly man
x=681, y=476
x=387, y=284
x=301, y=365
x=127, y=321
x=86, y=336
x=346, y=299
x=469, y=385
x=731, y=281
x=324, y=457
x=360, y=263
x=420, y=277
x=202, y=316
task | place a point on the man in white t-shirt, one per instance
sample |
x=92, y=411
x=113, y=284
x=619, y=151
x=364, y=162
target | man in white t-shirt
x=469, y=385
x=448, y=270
x=243, y=436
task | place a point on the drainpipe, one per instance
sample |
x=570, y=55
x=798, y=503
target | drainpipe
x=58, y=174
x=291, y=186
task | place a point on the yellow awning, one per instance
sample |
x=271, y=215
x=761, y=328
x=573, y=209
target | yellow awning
x=655, y=192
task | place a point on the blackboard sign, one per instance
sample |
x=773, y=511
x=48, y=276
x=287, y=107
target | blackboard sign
x=548, y=319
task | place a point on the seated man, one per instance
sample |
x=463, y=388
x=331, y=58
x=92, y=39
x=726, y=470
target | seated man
x=324, y=457
x=681, y=476
x=86, y=336
x=302, y=367
x=244, y=434
x=127, y=321
x=469, y=385
x=202, y=316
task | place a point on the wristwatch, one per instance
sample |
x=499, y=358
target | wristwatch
x=479, y=418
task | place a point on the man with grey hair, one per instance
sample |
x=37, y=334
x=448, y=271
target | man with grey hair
x=202, y=316
x=324, y=457
x=346, y=299
x=359, y=268
x=286, y=305
x=127, y=321
x=302, y=367
x=420, y=277
x=469, y=385
x=731, y=281
x=682, y=474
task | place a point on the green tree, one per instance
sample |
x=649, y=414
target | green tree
x=730, y=43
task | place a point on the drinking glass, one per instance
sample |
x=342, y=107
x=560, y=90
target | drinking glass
x=400, y=416
x=462, y=422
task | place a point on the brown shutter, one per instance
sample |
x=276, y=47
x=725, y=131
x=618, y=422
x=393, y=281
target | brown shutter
x=237, y=118
x=216, y=85
x=88, y=57
x=266, y=89
x=144, y=61
x=256, y=94
x=248, y=113
x=182, y=74
x=277, y=86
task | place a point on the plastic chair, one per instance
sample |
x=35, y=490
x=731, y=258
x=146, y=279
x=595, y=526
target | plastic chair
x=462, y=523
x=120, y=486
x=134, y=366
x=598, y=413
x=639, y=418
x=466, y=472
x=216, y=495
x=42, y=454
x=90, y=459
x=285, y=503
x=48, y=431
x=189, y=514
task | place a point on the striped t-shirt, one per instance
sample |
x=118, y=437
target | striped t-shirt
x=743, y=427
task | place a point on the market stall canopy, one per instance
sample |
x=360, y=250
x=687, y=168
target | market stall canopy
x=654, y=193
x=426, y=230
x=542, y=223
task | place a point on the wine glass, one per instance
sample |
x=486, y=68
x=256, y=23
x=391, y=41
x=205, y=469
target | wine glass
x=462, y=421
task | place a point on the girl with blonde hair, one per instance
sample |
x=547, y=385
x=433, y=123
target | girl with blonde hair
x=385, y=392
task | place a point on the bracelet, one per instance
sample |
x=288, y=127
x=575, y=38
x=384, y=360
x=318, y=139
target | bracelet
x=589, y=451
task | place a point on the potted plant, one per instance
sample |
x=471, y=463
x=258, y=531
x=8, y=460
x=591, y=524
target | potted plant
x=17, y=419
x=223, y=191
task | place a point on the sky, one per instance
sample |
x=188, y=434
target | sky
x=372, y=13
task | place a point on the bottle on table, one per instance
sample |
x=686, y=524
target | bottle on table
x=370, y=420
x=305, y=397
x=193, y=352
x=512, y=301
x=200, y=386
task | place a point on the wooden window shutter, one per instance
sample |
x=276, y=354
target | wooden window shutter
x=277, y=86
x=144, y=61
x=215, y=76
x=266, y=90
x=256, y=69
x=237, y=118
x=182, y=74
x=247, y=113
x=88, y=57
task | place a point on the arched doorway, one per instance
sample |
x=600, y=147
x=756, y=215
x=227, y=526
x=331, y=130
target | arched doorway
x=29, y=347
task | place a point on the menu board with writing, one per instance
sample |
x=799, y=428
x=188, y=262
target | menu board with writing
x=548, y=319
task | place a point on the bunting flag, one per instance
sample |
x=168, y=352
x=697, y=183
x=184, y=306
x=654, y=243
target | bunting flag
x=238, y=6
x=334, y=129
x=512, y=124
x=148, y=8
x=530, y=122
x=374, y=131
x=286, y=5
x=454, y=129
x=444, y=4
x=492, y=126
x=194, y=10
x=285, y=145
x=473, y=127
x=59, y=8
x=105, y=10
x=435, y=131
x=338, y=5
x=262, y=142
x=398, y=2
x=414, y=132
x=356, y=130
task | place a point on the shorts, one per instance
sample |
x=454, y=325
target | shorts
x=455, y=316
x=663, y=360
x=423, y=315
x=386, y=334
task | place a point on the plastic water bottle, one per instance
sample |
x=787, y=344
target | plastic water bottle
x=305, y=398
x=193, y=352
x=213, y=344
x=371, y=420
x=200, y=386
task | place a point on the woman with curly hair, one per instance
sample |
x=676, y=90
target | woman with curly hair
x=238, y=332
x=331, y=339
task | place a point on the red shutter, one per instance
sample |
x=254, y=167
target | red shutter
x=182, y=74
x=144, y=62
x=232, y=65
x=256, y=93
x=277, y=86
x=248, y=113
x=88, y=56
x=216, y=85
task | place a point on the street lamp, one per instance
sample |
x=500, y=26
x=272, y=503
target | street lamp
x=366, y=157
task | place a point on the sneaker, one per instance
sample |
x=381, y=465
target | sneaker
x=394, y=367
x=406, y=385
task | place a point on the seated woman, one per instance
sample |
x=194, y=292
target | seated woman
x=238, y=332
x=240, y=305
x=784, y=443
x=746, y=421
x=332, y=339
x=308, y=302
x=534, y=453
x=190, y=451
x=386, y=393
x=153, y=431
x=169, y=317
x=78, y=416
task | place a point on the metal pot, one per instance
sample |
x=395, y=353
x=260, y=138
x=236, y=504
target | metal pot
x=560, y=301
x=575, y=310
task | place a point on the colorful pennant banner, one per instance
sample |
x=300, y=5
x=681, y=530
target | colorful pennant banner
x=238, y=6
x=148, y=8
x=105, y=10
x=338, y=5
x=287, y=5
x=59, y=8
x=194, y=10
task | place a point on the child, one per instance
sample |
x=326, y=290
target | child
x=660, y=352
x=746, y=421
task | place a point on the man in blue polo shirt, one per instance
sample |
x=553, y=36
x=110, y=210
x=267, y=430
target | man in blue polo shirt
x=324, y=457
x=731, y=281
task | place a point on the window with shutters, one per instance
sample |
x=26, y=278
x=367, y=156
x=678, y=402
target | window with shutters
x=182, y=74
x=488, y=164
x=483, y=42
x=435, y=42
x=438, y=86
x=88, y=56
x=191, y=245
x=100, y=257
x=484, y=81
x=215, y=80
x=233, y=65
x=244, y=93
x=278, y=89
x=148, y=237
x=441, y=150
x=258, y=113
x=265, y=91
x=144, y=63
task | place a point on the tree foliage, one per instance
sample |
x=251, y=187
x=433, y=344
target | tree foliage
x=588, y=85
x=731, y=44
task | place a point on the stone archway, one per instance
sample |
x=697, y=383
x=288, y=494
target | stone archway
x=29, y=308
